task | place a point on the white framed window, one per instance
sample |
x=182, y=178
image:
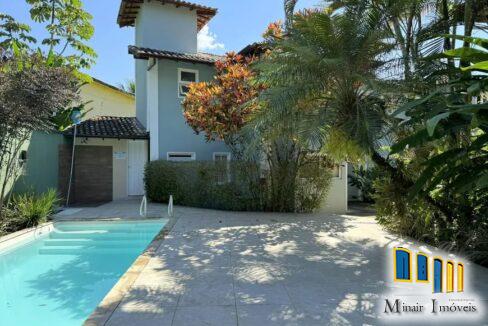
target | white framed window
x=181, y=156
x=222, y=163
x=185, y=78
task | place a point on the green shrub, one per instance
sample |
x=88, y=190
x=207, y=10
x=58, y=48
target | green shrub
x=28, y=210
x=201, y=184
x=314, y=179
x=197, y=184
x=413, y=218
x=9, y=221
x=35, y=209
x=363, y=179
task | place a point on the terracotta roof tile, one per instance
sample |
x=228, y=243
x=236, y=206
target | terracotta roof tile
x=146, y=53
x=130, y=8
x=110, y=127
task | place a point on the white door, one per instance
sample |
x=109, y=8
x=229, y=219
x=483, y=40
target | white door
x=137, y=161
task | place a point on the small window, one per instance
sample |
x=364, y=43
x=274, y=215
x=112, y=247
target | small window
x=402, y=265
x=185, y=78
x=181, y=156
x=222, y=167
x=460, y=277
x=422, y=268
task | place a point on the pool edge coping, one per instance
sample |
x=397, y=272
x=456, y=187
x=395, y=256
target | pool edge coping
x=19, y=237
x=103, y=312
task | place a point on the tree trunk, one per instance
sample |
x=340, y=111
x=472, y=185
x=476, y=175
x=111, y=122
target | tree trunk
x=445, y=20
x=469, y=9
x=289, y=10
x=284, y=161
x=401, y=43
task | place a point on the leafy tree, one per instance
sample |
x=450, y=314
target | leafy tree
x=30, y=94
x=69, y=28
x=322, y=71
x=220, y=108
x=14, y=35
x=455, y=113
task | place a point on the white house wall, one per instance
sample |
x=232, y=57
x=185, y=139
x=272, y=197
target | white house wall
x=165, y=27
x=336, y=201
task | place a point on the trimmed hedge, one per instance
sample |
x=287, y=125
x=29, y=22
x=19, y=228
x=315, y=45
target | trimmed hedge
x=196, y=184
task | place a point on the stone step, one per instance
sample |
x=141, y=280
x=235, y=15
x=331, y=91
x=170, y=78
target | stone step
x=127, y=243
x=81, y=250
x=97, y=235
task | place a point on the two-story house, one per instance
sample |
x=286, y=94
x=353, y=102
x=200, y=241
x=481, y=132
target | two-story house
x=166, y=61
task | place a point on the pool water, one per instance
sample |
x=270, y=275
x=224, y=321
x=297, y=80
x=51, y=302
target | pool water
x=60, y=279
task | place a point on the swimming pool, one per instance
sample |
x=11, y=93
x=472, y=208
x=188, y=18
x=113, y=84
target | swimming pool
x=60, y=279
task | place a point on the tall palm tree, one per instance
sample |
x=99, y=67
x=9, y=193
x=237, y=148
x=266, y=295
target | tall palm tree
x=325, y=67
x=328, y=69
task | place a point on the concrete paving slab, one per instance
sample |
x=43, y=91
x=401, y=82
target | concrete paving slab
x=246, y=268
x=206, y=316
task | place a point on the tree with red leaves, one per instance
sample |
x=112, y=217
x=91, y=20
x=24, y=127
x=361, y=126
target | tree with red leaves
x=220, y=108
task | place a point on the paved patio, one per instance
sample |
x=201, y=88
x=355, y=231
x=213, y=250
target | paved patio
x=227, y=268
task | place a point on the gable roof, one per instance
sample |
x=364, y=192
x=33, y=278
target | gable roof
x=146, y=53
x=110, y=127
x=130, y=8
x=115, y=88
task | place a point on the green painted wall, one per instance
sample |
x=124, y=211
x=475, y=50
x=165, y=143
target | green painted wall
x=41, y=172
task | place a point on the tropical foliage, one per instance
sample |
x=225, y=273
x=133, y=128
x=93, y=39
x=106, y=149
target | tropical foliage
x=68, y=27
x=39, y=83
x=345, y=68
x=220, y=109
x=28, y=210
x=30, y=94
x=332, y=79
x=237, y=186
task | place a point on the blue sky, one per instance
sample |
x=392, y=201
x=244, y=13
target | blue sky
x=237, y=24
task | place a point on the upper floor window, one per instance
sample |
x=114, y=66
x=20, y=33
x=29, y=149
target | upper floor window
x=185, y=77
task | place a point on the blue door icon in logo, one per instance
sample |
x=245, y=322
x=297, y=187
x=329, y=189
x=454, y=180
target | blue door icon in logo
x=437, y=275
x=402, y=265
x=422, y=268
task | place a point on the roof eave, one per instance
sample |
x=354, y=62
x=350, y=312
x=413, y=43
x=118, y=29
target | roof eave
x=70, y=135
x=146, y=56
x=204, y=14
